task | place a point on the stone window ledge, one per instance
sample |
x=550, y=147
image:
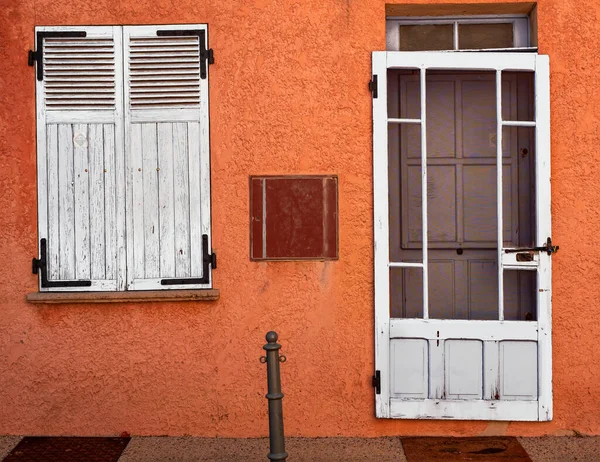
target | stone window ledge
x=199, y=295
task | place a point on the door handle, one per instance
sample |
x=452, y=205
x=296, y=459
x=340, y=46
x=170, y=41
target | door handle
x=549, y=248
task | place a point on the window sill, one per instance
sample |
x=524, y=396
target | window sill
x=123, y=297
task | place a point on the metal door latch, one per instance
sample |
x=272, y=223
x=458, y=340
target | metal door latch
x=549, y=248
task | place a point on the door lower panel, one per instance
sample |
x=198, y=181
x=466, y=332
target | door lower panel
x=464, y=410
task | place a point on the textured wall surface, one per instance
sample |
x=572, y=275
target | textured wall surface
x=288, y=96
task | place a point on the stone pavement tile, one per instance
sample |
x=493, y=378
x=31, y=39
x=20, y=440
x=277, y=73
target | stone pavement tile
x=7, y=443
x=345, y=449
x=562, y=448
x=187, y=449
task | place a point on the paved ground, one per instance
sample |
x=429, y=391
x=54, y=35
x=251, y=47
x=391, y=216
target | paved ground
x=184, y=449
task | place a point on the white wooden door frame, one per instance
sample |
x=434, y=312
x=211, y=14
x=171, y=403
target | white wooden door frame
x=386, y=328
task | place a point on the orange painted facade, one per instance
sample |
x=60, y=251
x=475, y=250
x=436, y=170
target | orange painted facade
x=288, y=95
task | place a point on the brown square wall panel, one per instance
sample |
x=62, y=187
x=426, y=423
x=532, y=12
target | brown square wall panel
x=293, y=217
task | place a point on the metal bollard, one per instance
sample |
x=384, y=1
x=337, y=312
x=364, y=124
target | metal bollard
x=274, y=395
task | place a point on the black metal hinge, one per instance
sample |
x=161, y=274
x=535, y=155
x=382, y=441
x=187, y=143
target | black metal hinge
x=41, y=265
x=206, y=55
x=373, y=86
x=38, y=55
x=208, y=258
x=549, y=248
x=376, y=382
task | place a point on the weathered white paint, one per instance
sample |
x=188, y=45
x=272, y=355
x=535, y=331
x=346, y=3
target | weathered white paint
x=96, y=202
x=472, y=61
x=81, y=228
x=446, y=409
x=424, y=195
x=381, y=229
x=499, y=196
x=166, y=207
x=543, y=231
x=491, y=369
x=88, y=174
x=168, y=164
x=497, y=372
x=443, y=329
x=518, y=123
x=404, y=264
x=404, y=121
x=50, y=184
x=463, y=369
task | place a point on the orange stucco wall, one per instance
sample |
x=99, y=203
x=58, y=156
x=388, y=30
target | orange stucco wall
x=288, y=95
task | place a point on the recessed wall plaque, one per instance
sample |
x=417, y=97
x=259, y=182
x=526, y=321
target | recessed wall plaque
x=293, y=217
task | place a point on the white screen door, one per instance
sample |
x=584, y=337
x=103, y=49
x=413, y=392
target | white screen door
x=462, y=236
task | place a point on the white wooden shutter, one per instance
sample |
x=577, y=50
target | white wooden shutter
x=167, y=157
x=79, y=152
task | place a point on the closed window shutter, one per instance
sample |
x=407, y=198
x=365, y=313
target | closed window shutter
x=80, y=130
x=167, y=155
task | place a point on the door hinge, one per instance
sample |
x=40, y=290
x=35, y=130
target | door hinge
x=208, y=258
x=548, y=248
x=373, y=86
x=213, y=260
x=206, y=55
x=41, y=265
x=376, y=382
x=38, y=55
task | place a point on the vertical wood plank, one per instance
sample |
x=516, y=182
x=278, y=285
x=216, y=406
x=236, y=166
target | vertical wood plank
x=499, y=193
x=138, y=202
x=151, y=223
x=82, y=204
x=543, y=231
x=204, y=146
x=97, y=210
x=43, y=176
x=195, y=198
x=437, y=379
x=120, y=173
x=381, y=235
x=183, y=202
x=166, y=200
x=53, y=242
x=66, y=204
x=109, y=198
x=424, y=186
x=491, y=386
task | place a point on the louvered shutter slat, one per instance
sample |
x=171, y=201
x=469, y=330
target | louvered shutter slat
x=147, y=60
x=78, y=60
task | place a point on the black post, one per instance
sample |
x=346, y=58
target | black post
x=274, y=395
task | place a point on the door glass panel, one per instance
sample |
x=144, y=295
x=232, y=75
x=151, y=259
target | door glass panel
x=483, y=36
x=520, y=297
x=461, y=195
x=426, y=37
x=406, y=293
x=518, y=173
x=404, y=179
x=518, y=87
